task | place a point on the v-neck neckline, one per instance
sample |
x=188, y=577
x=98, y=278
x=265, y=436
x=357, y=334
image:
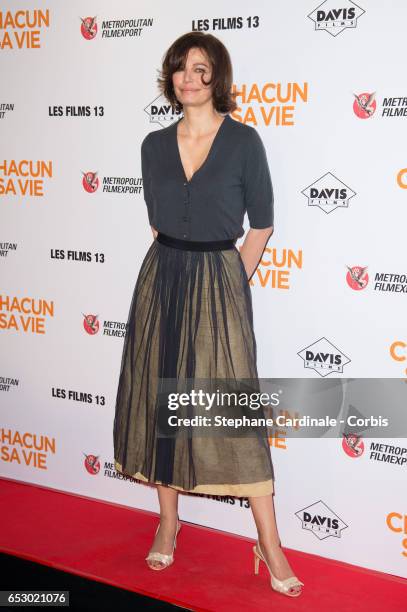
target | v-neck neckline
x=210, y=152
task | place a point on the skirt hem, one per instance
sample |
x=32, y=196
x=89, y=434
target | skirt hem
x=251, y=489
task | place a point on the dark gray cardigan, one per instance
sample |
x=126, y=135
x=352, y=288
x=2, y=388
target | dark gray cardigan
x=233, y=179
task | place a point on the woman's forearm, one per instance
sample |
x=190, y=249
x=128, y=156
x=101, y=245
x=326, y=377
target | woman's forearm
x=253, y=247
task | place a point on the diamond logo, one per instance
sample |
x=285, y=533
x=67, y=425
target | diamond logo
x=323, y=357
x=334, y=16
x=321, y=520
x=328, y=193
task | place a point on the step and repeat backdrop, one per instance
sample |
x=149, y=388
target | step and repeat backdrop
x=324, y=84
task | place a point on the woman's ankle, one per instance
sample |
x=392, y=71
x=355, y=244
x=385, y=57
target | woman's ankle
x=269, y=543
x=169, y=519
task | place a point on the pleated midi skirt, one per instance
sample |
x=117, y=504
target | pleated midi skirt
x=190, y=318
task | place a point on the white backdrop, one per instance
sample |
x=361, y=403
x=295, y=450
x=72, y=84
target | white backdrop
x=79, y=98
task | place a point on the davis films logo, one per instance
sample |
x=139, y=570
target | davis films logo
x=161, y=112
x=321, y=520
x=328, y=193
x=323, y=357
x=334, y=16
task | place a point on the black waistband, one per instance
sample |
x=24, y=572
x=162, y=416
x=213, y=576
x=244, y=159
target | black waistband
x=195, y=245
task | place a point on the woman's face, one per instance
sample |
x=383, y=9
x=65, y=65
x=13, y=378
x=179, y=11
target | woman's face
x=189, y=89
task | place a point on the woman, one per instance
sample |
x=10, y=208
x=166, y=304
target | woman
x=191, y=313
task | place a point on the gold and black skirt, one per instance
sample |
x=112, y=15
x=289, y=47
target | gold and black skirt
x=190, y=318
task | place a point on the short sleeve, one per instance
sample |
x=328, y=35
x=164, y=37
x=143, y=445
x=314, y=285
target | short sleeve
x=146, y=175
x=258, y=188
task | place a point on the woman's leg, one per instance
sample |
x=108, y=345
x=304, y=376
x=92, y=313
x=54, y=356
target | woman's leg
x=164, y=540
x=269, y=540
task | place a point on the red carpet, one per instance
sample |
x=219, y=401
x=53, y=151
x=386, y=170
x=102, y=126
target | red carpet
x=212, y=570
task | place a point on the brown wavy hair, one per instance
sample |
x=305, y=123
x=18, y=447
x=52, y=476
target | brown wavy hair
x=222, y=73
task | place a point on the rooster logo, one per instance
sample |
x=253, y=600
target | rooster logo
x=90, y=181
x=364, y=105
x=89, y=27
x=91, y=324
x=92, y=464
x=357, y=277
x=353, y=445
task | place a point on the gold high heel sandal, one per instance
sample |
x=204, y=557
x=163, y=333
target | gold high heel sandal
x=281, y=586
x=166, y=560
